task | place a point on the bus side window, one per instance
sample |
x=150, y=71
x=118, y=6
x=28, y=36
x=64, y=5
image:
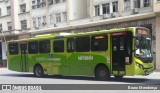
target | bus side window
x=58, y=46
x=82, y=44
x=99, y=43
x=44, y=46
x=33, y=47
x=70, y=45
x=13, y=48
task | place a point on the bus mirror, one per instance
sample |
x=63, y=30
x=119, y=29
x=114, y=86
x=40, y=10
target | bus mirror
x=137, y=43
x=154, y=52
x=135, y=49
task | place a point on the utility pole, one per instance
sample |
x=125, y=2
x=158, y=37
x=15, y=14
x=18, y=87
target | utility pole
x=4, y=38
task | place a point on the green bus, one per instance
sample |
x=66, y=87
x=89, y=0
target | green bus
x=116, y=52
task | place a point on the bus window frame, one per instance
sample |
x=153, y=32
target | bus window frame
x=53, y=44
x=39, y=46
x=71, y=50
x=106, y=36
x=83, y=44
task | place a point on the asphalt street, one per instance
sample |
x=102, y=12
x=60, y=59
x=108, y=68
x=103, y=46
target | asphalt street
x=12, y=77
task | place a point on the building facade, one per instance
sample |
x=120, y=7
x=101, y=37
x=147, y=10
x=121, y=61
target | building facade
x=27, y=18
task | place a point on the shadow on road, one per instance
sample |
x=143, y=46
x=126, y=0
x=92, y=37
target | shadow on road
x=123, y=80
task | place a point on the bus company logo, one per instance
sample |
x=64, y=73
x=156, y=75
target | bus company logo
x=85, y=57
x=40, y=59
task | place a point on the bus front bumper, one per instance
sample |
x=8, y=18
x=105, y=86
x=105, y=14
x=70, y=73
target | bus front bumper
x=148, y=71
x=143, y=71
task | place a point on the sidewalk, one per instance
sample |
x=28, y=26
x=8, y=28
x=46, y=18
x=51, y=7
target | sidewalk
x=5, y=70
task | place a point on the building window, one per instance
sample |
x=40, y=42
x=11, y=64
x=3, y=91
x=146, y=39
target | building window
x=0, y=12
x=50, y=2
x=43, y=3
x=158, y=1
x=57, y=1
x=44, y=22
x=24, y=24
x=44, y=46
x=39, y=21
x=70, y=45
x=33, y=4
x=38, y=3
x=115, y=6
x=97, y=11
x=1, y=27
x=34, y=23
x=9, y=10
x=58, y=46
x=33, y=47
x=51, y=19
x=9, y=25
x=23, y=8
x=106, y=8
x=137, y=3
x=64, y=16
x=127, y=5
x=147, y=3
x=63, y=0
x=58, y=17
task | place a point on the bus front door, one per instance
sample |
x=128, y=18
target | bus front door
x=24, y=63
x=118, y=54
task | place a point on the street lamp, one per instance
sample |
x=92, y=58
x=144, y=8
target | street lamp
x=4, y=38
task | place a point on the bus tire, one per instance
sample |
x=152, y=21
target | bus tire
x=118, y=76
x=38, y=71
x=102, y=73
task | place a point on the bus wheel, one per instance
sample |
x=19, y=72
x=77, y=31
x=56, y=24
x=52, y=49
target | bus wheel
x=118, y=76
x=38, y=71
x=102, y=73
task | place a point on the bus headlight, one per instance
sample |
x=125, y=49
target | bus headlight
x=139, y=65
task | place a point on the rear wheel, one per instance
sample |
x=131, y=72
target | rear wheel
x=118, y=76
x=102, y=73
x=38, y=71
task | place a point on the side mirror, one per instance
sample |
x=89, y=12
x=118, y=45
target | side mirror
x=154, y=52
x=137, y=43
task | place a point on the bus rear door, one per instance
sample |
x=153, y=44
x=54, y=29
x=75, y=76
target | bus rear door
x=23, y=54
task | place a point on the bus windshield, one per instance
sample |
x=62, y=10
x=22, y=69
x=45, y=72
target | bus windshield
x=143, y=44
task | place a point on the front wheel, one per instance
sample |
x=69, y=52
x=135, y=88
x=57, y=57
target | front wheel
x=38, y=71
x=102, y=73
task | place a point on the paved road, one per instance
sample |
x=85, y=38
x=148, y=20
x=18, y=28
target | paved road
x=11, y=77
x=7, y=77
